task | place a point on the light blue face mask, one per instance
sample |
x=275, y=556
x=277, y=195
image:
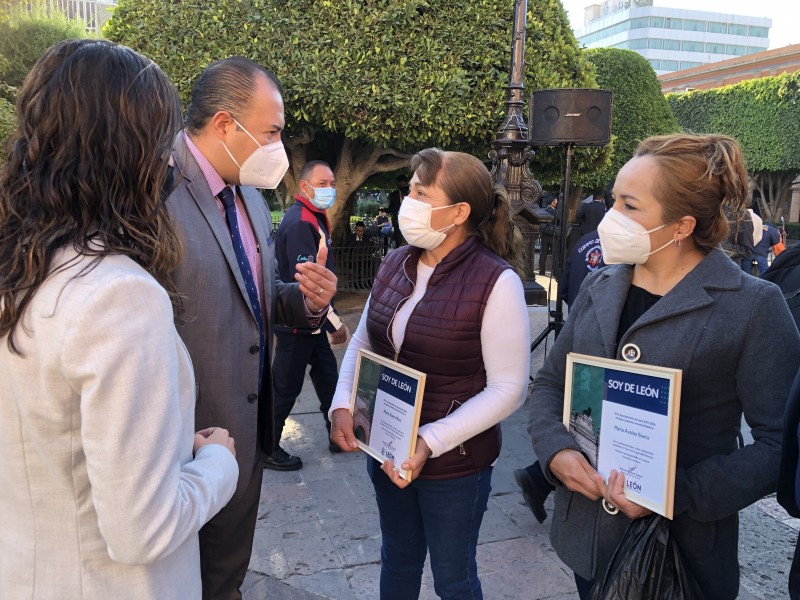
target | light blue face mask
x=323, y=197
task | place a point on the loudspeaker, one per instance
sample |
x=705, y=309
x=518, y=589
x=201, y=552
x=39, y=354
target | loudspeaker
x=570, y=116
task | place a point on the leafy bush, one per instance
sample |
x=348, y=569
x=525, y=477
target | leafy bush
x=26, y=35
x=640, y=108
x=762, y=115
x=8, y=121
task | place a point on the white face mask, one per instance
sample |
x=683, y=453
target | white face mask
x=624, y=241
x=265, y=167
x=414, y=219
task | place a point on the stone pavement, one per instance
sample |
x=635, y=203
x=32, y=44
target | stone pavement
x=318, y=534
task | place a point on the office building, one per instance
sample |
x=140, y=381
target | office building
x=672, y=39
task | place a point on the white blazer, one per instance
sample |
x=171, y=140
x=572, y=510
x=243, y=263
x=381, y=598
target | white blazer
x=100, y=496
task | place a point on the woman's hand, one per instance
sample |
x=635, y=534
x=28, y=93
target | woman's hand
x=342, y=430
x=317, y=283
x=575, y=472
x=214, y=435
x=615, y=497
x=415, y=463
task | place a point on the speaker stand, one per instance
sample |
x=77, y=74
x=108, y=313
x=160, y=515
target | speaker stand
x=556, y=321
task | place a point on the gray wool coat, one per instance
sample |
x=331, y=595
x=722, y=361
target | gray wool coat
x=739, y=349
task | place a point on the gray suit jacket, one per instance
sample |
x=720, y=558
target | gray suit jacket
x=218, y=325
x=722, y=328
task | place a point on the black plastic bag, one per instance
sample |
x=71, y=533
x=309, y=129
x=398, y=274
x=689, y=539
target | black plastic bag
x=646, y=566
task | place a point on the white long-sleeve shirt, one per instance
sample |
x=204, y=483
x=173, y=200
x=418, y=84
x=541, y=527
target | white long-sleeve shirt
x=505, y=345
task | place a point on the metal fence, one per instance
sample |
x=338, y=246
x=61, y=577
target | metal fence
x=357, y=264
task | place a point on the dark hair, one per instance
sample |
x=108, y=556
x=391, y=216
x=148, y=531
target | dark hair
x=310, y=166
x=401, y=178
x=360, y=224
x=226, y=84
x=702, y=176
x=86, y=168
x=464, y=178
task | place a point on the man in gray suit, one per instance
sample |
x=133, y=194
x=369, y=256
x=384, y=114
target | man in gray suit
x=232, y=296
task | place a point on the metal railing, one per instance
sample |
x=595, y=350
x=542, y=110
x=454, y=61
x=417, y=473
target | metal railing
x=357, y=263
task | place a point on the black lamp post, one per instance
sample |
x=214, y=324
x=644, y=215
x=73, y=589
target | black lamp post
x=512, y=155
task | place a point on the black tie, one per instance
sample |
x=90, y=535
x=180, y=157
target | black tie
x=228, y=201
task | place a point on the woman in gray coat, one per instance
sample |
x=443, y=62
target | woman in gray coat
x=674, y=298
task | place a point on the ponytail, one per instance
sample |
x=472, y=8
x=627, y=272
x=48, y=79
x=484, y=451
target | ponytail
x=498, y=232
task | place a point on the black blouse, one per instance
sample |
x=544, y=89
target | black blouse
x=638, y=302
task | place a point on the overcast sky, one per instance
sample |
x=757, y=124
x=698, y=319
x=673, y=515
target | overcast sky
x=785, y=14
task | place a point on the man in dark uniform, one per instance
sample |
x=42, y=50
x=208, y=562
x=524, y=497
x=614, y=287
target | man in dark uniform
x=395, y=200
x=591, y=213
x=302, y=232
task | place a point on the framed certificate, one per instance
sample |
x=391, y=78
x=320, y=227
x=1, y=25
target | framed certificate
x=386, y=402
x=624, y=416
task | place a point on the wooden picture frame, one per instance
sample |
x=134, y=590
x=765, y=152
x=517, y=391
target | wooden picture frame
x=385, y=402
x=624, y=416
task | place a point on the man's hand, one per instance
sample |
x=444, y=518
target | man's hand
x=339, y=336
x=342, y=430
x=317, y=283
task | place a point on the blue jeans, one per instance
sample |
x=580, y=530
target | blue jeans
x=762, y=264
x=443, y=516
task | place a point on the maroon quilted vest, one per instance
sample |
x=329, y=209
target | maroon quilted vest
x=442, y=339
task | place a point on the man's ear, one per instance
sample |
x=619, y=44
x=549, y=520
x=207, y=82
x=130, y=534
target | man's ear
x=222, y=124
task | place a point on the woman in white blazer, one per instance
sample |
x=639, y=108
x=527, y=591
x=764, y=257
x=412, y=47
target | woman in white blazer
x=104, y=482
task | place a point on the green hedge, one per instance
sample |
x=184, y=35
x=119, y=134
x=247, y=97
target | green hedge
x=8, y=121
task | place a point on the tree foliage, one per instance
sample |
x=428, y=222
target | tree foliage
x=369, y=80
x=7, y=123
x=27, y=33
x=640, y=108
x=762, y=115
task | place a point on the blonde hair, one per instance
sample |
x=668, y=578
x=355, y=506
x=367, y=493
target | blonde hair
x=702, y=176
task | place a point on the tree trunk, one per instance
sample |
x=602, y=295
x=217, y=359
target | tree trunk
x=775, y=190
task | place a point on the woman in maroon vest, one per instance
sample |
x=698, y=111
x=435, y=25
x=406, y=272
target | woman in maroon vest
x=451, y=305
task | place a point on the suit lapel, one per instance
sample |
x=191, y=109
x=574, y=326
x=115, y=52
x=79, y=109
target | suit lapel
x=201, y=194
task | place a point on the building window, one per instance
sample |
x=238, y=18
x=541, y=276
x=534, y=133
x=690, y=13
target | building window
x=672, y=45
x=735, y=50
x=673, y=23
x=759, y=31
x=754, y=50
x=692, y=25
x=715, y=48
x=657, y=22
x=669, y=65
x=623, y=45
x=685, y=64
x=639, y=23
x=655, y=43
x=656, y=64
x=692, y=46
x=734, y=29
x=714, y=27
x=620, y=27
x=638, y=44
